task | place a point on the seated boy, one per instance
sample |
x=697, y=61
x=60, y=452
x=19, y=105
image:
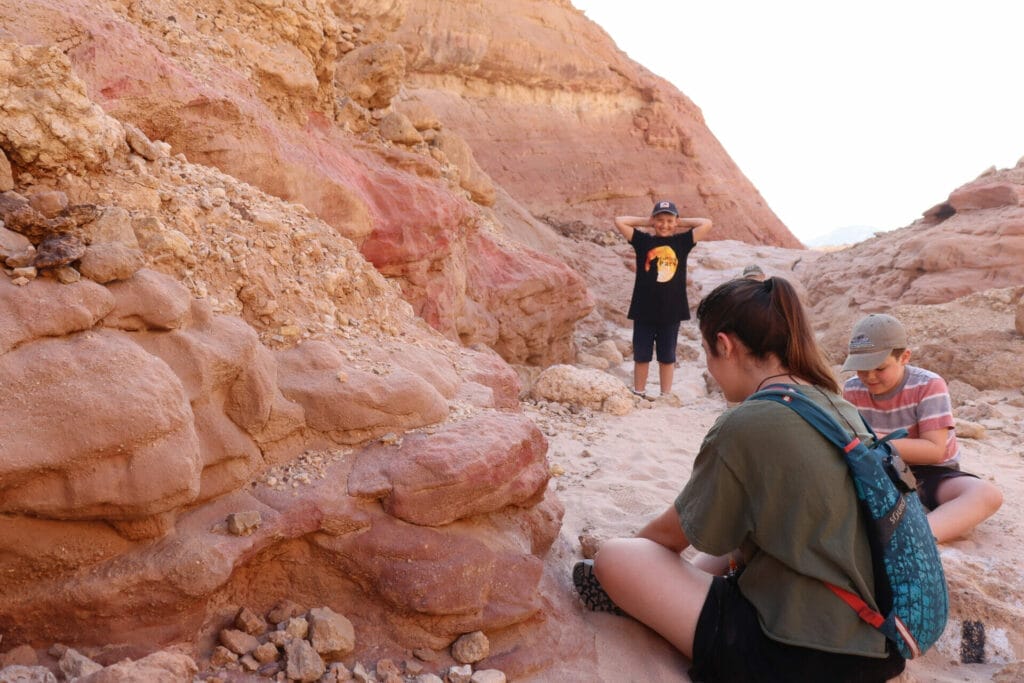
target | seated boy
x=892, y=394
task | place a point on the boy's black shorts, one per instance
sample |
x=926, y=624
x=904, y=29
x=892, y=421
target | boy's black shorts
x=930, y=476
x=729, y=645
x=647, y=336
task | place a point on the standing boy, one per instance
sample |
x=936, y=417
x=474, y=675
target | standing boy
x=891, y=395
x=659, y=300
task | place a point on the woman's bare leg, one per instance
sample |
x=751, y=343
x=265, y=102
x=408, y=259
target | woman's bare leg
x=654, y=585
x=716, y=565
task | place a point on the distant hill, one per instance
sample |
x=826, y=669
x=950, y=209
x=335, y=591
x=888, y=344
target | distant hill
x=850, y=234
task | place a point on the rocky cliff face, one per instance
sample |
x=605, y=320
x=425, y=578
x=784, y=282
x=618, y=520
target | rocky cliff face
x=179, y=348
x=273, y=260
x=282, y=261
x=424, y=132
x=566, y=123
x=954, y=275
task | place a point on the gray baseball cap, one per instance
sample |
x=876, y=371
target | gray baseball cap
x=872, y=340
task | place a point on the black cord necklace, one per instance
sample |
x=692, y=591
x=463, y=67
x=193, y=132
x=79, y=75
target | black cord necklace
x=781, y=374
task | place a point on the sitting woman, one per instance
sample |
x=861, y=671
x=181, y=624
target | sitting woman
x=770, y=504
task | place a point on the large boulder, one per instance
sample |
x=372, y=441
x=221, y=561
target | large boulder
x=97, y=429
x=351, y=405
x=474, y=467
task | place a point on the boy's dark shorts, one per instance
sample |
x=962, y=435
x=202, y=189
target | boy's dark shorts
x=647, y=336
x=930, y=476
x=729, y=645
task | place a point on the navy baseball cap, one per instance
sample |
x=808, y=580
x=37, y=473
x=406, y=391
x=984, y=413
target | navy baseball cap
x=665, y=207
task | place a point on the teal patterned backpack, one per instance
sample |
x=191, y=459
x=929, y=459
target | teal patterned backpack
x=910, y=586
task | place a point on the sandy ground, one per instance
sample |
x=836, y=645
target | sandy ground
x=616, y=472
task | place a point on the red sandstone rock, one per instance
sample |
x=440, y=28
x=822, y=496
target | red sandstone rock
x=351, y=405
x=474, y=467
x=148, y=301
x=96, y=428
x=485, y=368
x=48, y=309
x=985, y=195
x=455, y=574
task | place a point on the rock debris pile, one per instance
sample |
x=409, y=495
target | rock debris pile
x=288, y=643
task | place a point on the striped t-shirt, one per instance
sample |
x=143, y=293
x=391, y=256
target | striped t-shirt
x=919, y=404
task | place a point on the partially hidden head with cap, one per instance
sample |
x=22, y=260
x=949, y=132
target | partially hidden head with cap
x=664, y=207
x=754, y=272
x=873, y=339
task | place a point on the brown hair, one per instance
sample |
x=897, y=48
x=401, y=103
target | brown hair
x=768, y=318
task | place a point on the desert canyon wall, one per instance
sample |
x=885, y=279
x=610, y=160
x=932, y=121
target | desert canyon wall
x=269, y=270
x=275, y=274
x=955, y=276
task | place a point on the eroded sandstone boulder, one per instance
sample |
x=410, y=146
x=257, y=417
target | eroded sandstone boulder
x=159, y=667
x=108, y=262
x=148, y=300
x=349, y=404
x=985, y=195
x=451, y=574
x=97, y=428
x=472, y=178
x=475, y=467
x=49, y=309
x=584, y=387
x=535, y=302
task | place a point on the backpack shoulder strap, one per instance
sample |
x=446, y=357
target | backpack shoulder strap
x=814, y=414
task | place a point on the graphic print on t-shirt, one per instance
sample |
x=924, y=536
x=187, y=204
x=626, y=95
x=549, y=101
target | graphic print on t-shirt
x=667, y=262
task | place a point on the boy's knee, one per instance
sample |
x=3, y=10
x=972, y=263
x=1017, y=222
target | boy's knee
x=992, y=497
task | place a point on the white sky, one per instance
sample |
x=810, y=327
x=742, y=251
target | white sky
x=841, y=114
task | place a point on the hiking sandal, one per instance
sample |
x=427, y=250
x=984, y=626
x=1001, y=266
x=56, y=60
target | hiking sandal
x=590, y=590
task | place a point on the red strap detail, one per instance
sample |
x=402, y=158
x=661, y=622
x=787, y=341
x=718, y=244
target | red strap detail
x=859, y=606
x=853, y=444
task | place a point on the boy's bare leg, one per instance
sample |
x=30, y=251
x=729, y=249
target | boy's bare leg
x=964, y=502
x=640, y=371
x=665, y=374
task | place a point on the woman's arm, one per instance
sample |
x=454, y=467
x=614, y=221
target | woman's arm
x=665, y=530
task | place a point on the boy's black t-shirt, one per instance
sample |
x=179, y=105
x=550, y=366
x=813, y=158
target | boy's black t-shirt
x=659, y=291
